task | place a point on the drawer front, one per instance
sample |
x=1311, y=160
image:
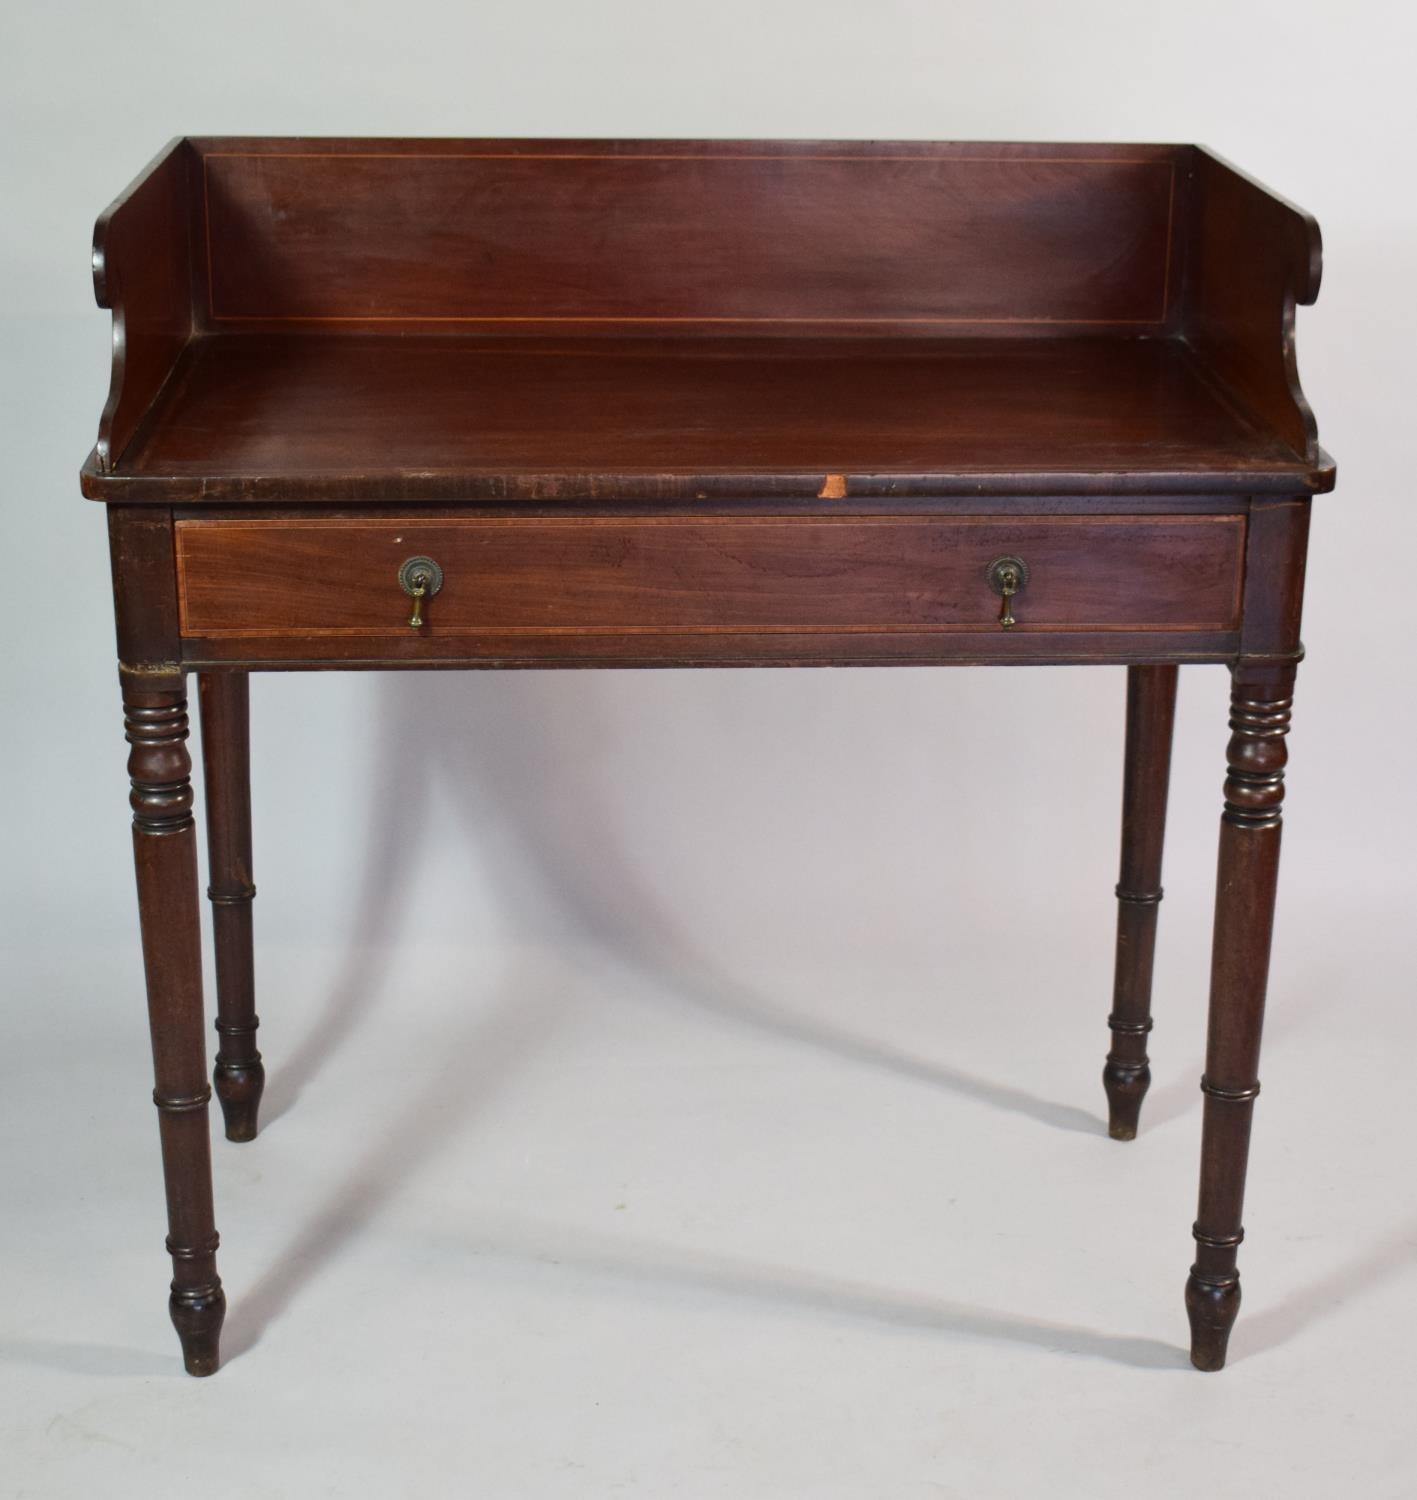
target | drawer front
x=670, y=575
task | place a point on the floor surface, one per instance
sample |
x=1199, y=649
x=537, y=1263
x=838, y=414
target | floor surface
x=542, y=1223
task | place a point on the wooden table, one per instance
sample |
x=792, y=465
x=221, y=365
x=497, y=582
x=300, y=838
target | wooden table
x=469, y=404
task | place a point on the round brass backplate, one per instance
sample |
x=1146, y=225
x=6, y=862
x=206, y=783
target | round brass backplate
x=999, y=568
x=421, y=570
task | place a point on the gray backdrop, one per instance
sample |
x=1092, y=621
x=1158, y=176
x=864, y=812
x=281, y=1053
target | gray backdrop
x=807, y=970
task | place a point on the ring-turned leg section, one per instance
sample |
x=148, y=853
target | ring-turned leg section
x=1151, y=716
x=239, y=1075
x=1244, y=920
x=165, y=856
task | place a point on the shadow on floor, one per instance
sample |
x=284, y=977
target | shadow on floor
x=558, y=856
x=790, y=1290
x=1367, y=1269
x=504, y=776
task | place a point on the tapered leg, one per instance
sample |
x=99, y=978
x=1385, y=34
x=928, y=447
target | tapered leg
x=1151, y=715
x=239, y=1076
x=165, y=855
x=1244, y=918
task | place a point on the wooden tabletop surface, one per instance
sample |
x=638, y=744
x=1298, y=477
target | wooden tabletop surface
x=475, y=416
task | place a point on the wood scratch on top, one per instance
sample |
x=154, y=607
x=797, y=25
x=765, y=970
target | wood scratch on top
x=833, y=487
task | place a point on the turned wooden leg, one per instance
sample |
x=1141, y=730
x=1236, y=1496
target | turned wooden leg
x=239, y=1076
x=1244, y=918
x=1151, y=714
x=165, y=854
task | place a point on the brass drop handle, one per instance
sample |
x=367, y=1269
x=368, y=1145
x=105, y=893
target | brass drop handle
x=420, y=578
x=1008, y=587
x=1007, y=576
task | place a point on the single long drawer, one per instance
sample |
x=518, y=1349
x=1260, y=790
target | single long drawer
x=672, y=575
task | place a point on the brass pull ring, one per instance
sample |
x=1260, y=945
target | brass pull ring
x=420, y=578
x=1007, y=576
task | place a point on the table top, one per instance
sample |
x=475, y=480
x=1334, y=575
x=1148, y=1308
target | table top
x=305, y=321
x=434, y=416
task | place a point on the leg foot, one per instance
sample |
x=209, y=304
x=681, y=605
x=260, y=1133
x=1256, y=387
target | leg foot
x=1126, y=1085
x=239, y=1087
x=197, y=1315
x=1212, y=1308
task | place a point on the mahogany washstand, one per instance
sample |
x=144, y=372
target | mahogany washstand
x=400, y=403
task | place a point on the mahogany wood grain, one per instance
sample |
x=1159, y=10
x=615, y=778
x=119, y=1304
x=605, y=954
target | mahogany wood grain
x=165, y=857
x=1246, y=881
x=809, y=237
x=1031, y=503
x=1276, y=553
x=1262, y=689
x=1151, y=717
x=671, y=649
x=1252, y=258
x=286, y=417
x=142, y=270
x=144, y=568
x=677, y=575
x=1163, y=247
x=239, y=1074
